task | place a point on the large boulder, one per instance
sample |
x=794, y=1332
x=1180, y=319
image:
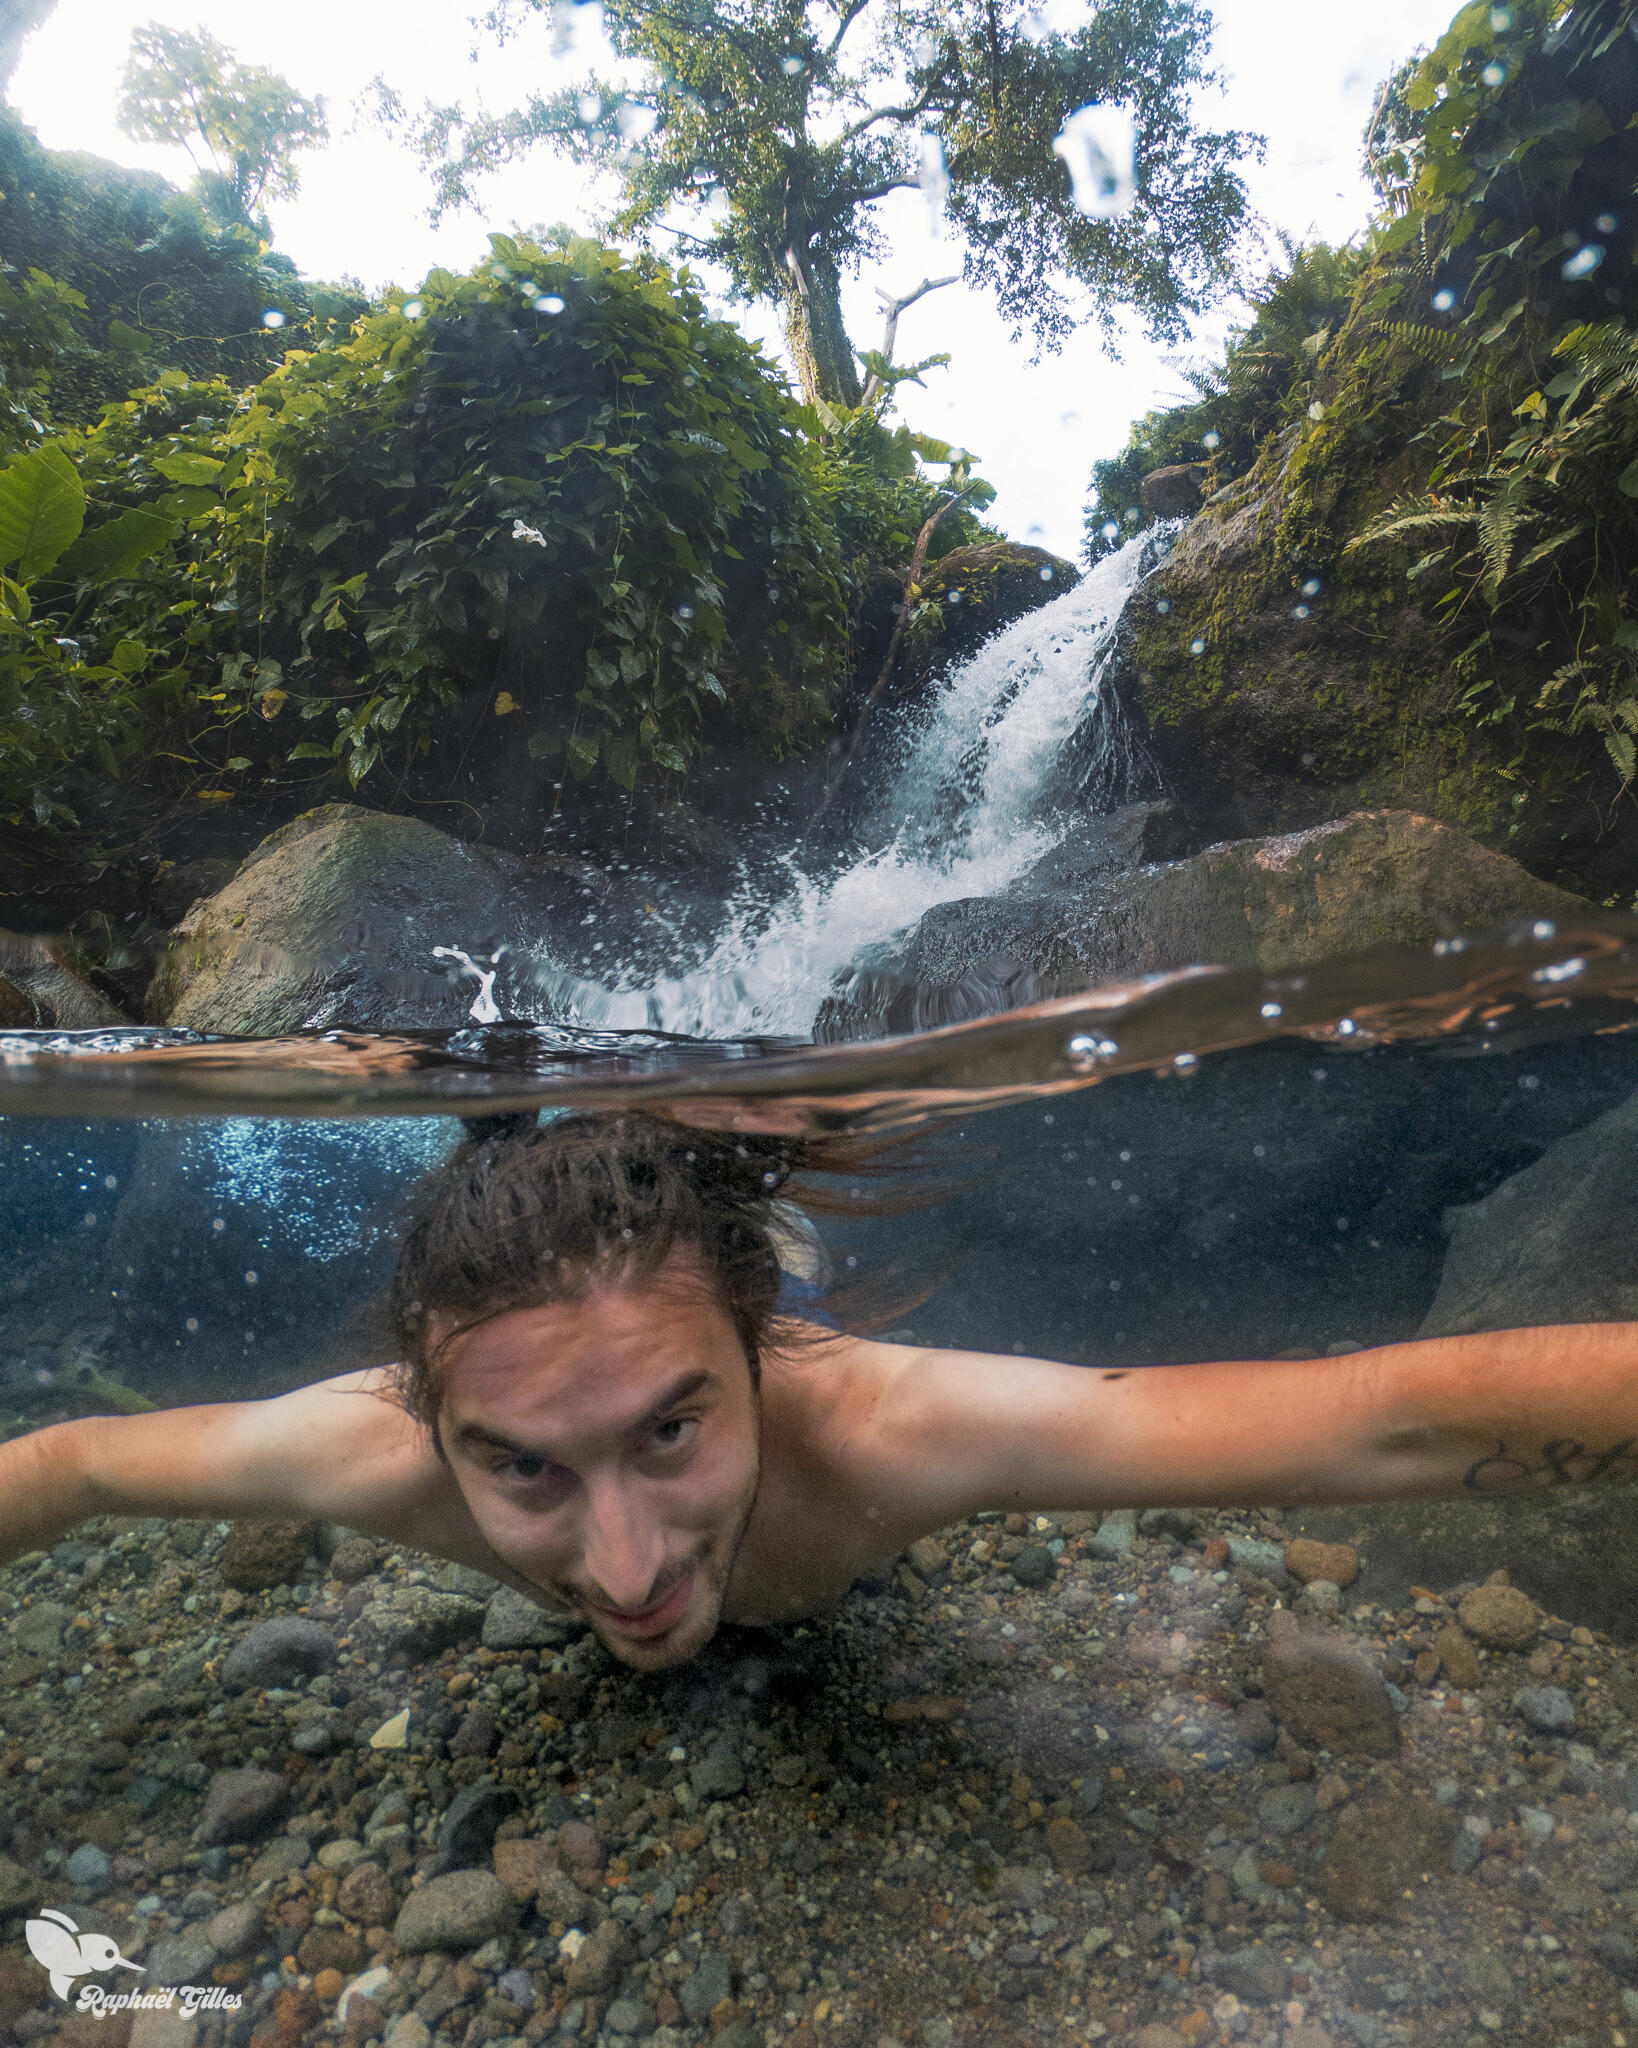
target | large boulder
x=1282, y=679
x=1552, y=1244
x=1112, y=901
x=335, y=918
x=978, y=590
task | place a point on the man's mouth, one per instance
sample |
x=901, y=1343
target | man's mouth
x=652, y=1621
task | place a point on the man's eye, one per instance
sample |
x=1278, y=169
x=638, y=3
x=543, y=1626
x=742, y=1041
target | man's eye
x=679, y=1422
x=526, y=1465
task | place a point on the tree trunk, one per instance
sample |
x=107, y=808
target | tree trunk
x=824, y=357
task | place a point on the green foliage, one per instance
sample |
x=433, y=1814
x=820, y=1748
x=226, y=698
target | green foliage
x=242, y=124
x=1265, y=381
x=551, y=488
x=112, y=276
x=779, y=128
x=1544, y=527
x=59, y=715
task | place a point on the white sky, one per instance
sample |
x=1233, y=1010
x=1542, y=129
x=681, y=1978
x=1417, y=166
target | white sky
x=1299, y=73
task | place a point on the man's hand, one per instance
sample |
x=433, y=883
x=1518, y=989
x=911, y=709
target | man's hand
x=1522, y=1409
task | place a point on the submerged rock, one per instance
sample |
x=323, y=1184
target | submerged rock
x=278, y=1652
x=242, y=1804
x=456, y=1911
x=1551, y=1244
x=1326, y=1693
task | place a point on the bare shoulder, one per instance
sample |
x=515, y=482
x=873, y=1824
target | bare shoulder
x=850, y=1417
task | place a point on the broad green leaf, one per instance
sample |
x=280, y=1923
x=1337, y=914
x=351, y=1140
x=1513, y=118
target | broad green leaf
x=185, y=467
x=109, y=553
x=42, y=508
x=130, y=657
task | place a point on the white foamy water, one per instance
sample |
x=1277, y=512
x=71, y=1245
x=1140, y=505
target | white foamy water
x=964, y=816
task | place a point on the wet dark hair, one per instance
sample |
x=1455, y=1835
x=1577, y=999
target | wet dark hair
x=523, y=1214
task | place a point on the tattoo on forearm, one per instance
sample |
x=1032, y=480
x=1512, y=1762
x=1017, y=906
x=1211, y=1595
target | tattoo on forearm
x=1563, y=1462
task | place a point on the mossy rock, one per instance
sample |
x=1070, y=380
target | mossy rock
x=1281, y=680
x=978, y=590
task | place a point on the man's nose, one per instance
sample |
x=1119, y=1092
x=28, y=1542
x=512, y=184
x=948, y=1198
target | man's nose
x=624, y=1548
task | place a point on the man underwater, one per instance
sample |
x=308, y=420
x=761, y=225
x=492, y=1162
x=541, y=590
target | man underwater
x=603, y=1401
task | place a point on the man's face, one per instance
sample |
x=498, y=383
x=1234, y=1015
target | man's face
x=609, y=1448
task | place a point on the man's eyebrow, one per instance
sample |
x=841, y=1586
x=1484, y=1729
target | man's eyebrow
x=679, y=1390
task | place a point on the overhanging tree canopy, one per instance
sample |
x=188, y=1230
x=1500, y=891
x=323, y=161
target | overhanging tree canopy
x=777, y=128
x=241, y=123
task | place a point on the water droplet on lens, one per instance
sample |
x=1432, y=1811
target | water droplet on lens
x=1197, y=646
x=1099, y=144
x=1312, y=587
x=1163, y=604
x=272, y=317
x=1271, y=1010
x=1544, y=928
x=1211, y=440
x=934, y=181
x=1046, y=574
x=1584, y=262
x=548, y=302
x=574, y=24
x=1299, y=611
x=1444, y=300
x=1494, y=73
x=590, y=107
x=1606, y=223
x=413, y=309
x=791, y=66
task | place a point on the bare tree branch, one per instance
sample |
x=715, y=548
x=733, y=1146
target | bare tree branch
x=891, y=331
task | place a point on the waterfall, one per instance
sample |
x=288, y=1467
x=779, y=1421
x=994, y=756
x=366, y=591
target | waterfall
x=967, y=811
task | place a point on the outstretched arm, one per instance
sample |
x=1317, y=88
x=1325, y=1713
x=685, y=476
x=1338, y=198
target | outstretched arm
x=335, y=1451
x=1510, y=1412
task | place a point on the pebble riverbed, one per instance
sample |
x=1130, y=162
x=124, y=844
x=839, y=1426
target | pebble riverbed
x=1050, y=1779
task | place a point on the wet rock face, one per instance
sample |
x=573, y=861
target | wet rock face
x=978, y=591
x=1117, y=900
x=39, y=991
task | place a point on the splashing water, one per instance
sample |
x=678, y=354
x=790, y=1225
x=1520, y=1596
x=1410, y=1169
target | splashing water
x=484, y=1009
x=965, y=815
x=1099, y=144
